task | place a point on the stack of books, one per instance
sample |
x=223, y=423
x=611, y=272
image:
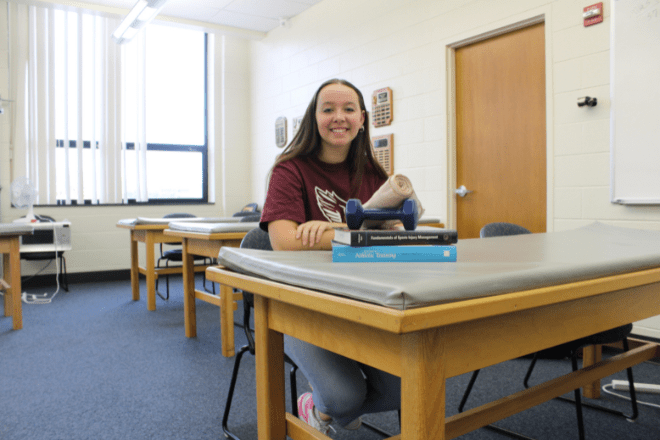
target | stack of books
x=424, y=244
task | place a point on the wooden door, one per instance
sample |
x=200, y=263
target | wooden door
x=501, y=131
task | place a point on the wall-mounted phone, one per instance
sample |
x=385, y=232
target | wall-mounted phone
x=280, y=131
x=382, y=107
x=383, y=152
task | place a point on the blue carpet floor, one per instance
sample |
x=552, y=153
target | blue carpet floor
x=94, y=364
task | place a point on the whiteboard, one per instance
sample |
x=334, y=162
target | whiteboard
x=635, y=101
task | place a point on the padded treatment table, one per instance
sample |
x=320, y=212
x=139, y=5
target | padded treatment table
x=150, y=232
x=206, y=239
x=10, y=234
x=505, y=297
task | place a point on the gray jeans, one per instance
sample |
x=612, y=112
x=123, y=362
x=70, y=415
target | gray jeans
x=343, y=388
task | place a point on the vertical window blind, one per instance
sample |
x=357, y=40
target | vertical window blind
x=80, y=122
x=66, y=97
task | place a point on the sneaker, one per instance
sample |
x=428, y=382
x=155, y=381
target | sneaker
x=354, y=425
x=308, y=413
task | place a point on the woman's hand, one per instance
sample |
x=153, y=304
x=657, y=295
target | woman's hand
x=311, y=232
x=287, y=235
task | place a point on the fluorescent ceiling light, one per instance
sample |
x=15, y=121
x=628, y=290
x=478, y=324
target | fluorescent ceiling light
x=130, y=33
x=147, y=14
x=142, y=13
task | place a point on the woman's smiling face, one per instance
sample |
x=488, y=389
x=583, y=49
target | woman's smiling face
x=339, y=117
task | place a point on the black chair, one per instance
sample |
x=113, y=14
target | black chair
x=567, y=350
x=176, y=255
x=501, y=229
x=63, y=279
x=249, y=209
x=249, y=217
x=245, y=219
x=255, y=239
x=259, y=239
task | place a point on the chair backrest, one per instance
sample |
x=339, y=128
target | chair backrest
x=501, y=228
x=179, y=215
x=250, y=218
x=255, y=239
x=178, y=250
x=249, y=209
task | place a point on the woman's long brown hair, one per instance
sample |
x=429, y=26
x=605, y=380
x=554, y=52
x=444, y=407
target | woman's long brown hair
x=307, y=141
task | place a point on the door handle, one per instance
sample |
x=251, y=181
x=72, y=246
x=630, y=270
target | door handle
x=462, y=191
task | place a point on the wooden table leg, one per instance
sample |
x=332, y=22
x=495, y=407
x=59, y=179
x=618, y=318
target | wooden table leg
x=423, y=385
x=227, y=320
x=269, y=346
x=151, y=272
x=189, y=311
x=135, y=272
x=14, y=291
x=590, y=355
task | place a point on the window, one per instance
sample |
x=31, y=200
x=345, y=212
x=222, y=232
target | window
x=175, y=93
x=124, y=123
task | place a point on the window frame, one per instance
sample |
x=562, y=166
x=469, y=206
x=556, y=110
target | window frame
x=203, y=149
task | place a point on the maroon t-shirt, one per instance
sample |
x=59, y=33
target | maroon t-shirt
x=304, y=188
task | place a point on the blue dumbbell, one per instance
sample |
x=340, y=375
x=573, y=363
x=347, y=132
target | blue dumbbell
x=356, y=214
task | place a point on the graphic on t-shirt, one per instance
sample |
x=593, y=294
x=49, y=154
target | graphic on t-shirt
x=330, y=204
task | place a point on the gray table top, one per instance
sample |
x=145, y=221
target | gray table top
x=485, y=266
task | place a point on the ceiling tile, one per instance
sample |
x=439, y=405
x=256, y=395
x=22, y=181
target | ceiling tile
x=244, y=21
x=126, y=4
x=257, y=15
x=308, y=2
x=190, y=11
x=273, y=8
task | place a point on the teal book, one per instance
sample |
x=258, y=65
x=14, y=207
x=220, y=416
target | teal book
x=395, y=254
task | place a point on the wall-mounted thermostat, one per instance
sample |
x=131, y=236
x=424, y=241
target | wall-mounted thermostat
x=383, y=152
x=280, y=131
x=381, y=107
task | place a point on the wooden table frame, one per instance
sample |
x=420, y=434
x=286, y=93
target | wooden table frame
x=150, y=235
x=11, y=272
x=427, y=345
x=432, y=225
x=207, y=245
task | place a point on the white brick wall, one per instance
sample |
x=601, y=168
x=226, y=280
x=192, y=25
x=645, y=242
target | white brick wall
x=375, y=43
x=4, y=118
x=401, y=45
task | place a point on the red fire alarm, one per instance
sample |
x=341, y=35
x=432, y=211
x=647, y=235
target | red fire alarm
x=593, y=14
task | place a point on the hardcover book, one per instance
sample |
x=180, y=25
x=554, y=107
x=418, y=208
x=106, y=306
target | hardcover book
x=398, y=254
x=396, y=237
